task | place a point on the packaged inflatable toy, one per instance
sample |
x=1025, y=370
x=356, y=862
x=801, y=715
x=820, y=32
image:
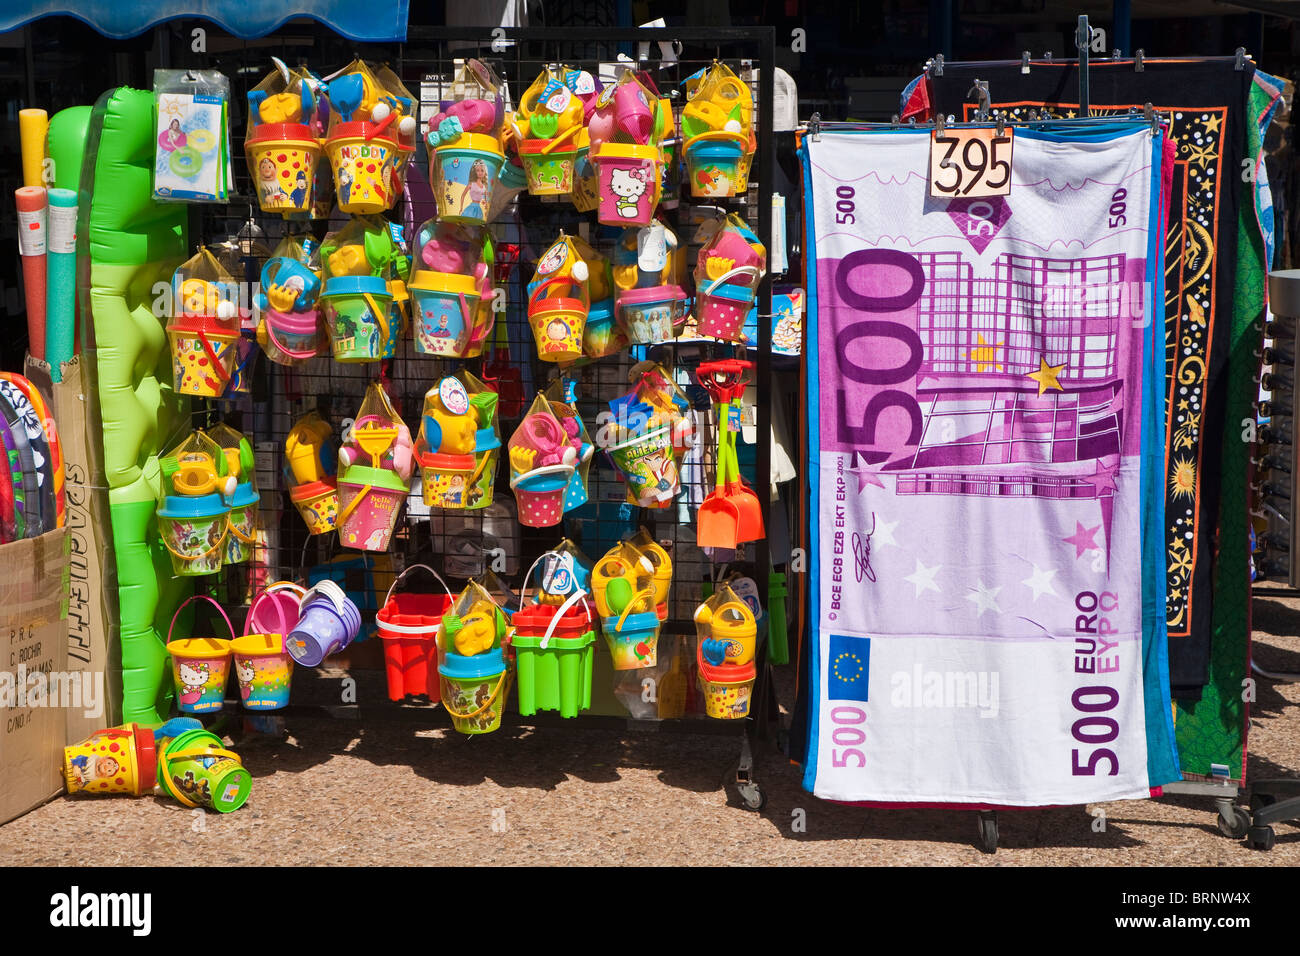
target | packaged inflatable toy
x=465, y=143
x=459, y=443
x=288, y=325
x=726, y=643
x=559, y=301
x=285, y=115
x=625, y=134
x=204, y=327
x=371, y=137
x=718, y=132
x=451, y=276
x=472, y=663
x=649, y=302
x=363, y=288
x=543, y=457
x=194, y=504
x=374, y=474
x=192, y=149
x=727, y=273
x=651, y=432
x=312, y=459
x=548, y=123
x=245, y=501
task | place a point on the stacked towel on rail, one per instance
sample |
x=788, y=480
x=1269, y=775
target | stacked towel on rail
x=986, y=440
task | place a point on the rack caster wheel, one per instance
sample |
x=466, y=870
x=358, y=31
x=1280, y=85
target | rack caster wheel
x=987, y=822
x=1234, y=821
x=752, y=796
x=1261, y=838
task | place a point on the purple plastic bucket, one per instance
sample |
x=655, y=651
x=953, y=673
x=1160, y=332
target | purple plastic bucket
x=327, y=622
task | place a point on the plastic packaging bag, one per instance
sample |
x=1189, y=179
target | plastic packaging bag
x=205, y=326
x=459, y=443
x=192, y=149
x=288, y=326
x=375, y=465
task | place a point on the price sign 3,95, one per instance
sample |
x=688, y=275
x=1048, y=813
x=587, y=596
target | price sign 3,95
x=973, y=163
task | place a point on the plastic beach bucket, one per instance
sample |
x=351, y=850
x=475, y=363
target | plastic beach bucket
x=720, y=309
x=263, y=669
x=549, y=168
x=242, y=523
x=554, y=656
x=602, y=335
x=357, y=313
x=726, y=687
x=292, y=336
x=194, y=531
x=558, y=321
x=318, y=504
x=203, y=355
x=197, y=769
x=649, y=315
x=113, y=760
x=368, y=167
x=633, y=639
x=408, y=625
x=282, y=160
x=328, y=621
x=540, y=495
x=200, y=665
x=444, y=307
x=369, y=501
x=464, y=177
x=629, y=183
x=715, y=164
x=474, y=689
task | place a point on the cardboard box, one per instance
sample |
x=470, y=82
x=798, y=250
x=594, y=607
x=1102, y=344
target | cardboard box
x=33, y=648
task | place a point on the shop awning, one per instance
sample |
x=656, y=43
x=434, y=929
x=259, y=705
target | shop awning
x=365, y=20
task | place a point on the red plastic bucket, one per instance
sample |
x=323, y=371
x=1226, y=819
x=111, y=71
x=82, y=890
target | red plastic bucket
x=408, y=623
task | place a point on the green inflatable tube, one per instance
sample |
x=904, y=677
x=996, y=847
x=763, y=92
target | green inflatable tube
x=130, y=243
x=65, y=144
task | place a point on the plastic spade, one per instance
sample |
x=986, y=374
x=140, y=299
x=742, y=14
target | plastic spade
x=718, y=520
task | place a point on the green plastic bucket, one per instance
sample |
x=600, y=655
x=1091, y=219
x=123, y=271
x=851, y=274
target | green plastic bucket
x=554, y=655
x=198, y=770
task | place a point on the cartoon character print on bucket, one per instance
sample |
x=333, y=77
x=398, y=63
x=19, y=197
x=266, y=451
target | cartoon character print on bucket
x=112, y=760
x=200, y=665
x=473, y=670
x=264, y=670
x=197, y=770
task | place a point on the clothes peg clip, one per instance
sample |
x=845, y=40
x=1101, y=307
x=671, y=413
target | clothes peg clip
x=893, y=121
x=815, y=127
x=1139, y=66
x=939, y=124
x=1002, y=123
x=936, y=65
x=981, y=91
x=1048, y=56
x=1024, y=62
x=1116, y=54
x=1241, y=59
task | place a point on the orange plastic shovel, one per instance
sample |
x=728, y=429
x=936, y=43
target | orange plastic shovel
x=717, y=523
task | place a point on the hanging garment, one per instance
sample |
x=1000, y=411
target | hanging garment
x=977, y=413
x=1205, y=103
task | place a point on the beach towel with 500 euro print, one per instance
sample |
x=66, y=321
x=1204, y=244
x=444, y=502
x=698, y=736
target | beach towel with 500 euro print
x=976, y=416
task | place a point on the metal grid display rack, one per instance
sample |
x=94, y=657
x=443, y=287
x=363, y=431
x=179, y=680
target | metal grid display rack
x=462, y=543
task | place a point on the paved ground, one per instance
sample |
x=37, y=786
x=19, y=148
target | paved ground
x=338, y=791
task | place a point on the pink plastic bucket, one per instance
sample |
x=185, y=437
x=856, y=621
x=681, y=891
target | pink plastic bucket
x=540, y=495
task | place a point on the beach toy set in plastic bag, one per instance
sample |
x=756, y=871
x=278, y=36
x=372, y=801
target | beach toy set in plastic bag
x=371, y=137
x=647, y=269
x=204, y=326
x=651, y=431
x=626, y=132
x=208, y=495
x=459, y=443
x=364, y=292
x=465, y=145
x=311, y=460
x=288, y=323
x=472, y=661
x=562, y=394
x=559, y=301
x=376, y=460
x=629, y=586
x=450, y=289
x=726, y=642
x=545, y=452
x=728, y=269
x=718, y=132
x=287, y=118
x=547, y=124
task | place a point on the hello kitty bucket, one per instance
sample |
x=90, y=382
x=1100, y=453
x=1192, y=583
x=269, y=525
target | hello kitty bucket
x=630, y=177
x=200, y=665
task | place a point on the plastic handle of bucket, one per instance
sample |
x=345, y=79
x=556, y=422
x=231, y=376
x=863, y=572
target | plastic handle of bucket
x=648, y=594
x=381, y=316
x=166, y=758
x=233, y=529
x=572, y=599
x=346, y=512
x=556, y=280
x=217, y=368
x=296, y=356
x=529, y=573
x=285, y=625
x=398, y=580
x=565, y=136
x=721, y=280
x=221, y=543
x=197, y=597
x=505, y=677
